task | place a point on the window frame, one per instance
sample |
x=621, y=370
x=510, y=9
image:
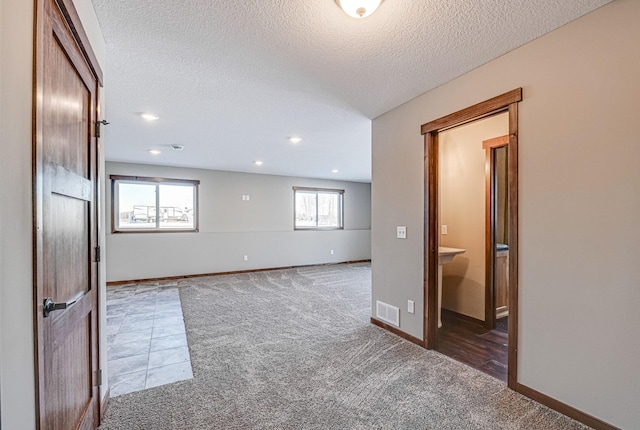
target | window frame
x=340, y=194
x=154, y=181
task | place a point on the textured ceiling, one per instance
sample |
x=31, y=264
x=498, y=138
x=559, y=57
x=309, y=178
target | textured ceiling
x=232, y=80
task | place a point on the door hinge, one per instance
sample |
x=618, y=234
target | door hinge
x=97, y=254
x=99, y=377
x=98, y=124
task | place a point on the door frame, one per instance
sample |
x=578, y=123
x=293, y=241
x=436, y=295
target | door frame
x=504, y=102
x=73, y=23
x=490, y=228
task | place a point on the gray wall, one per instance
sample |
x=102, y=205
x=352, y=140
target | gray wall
x=230, y=228
x=579, y=235
x=16, y=305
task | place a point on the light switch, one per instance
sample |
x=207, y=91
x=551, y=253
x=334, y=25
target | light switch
x=410, y=306
x=444, y=228
x=401, y=232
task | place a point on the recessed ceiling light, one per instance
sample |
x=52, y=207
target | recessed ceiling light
x=155, y=151
x=177, y=147
x=258, y=163
x=335, y=171
x=295, y=139
x=149, y=116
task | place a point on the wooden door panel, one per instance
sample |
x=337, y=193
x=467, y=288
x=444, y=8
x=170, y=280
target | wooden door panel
x=67, y=113
x=67, y=377
x=66, y=266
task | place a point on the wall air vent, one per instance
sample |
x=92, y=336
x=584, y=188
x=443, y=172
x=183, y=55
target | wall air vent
x=387, y=313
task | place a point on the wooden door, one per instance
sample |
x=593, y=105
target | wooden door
x=66, y=272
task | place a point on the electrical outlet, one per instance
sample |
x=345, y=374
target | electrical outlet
x=410, y=306
x=245, y=258
x=444, y=228
x=332, y=252
x=401, y=232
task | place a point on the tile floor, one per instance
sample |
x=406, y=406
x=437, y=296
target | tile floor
x=146, y=337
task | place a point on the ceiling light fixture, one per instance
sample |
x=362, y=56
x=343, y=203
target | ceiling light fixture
x=149, y=116
x=295, y=139
x=335, y=171
x=359, y=8
x=155, y=151
x=258, y=163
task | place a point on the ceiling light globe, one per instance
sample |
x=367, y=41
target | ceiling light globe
x=359, y=8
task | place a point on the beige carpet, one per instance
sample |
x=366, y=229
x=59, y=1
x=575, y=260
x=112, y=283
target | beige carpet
x=294, y=349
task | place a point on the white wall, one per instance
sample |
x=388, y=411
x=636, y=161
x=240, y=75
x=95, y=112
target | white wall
x=17, y=380
x=579, y=206
x=230, y=228
x=462, y=210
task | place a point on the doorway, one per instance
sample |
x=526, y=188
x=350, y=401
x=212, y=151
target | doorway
x=507, y=102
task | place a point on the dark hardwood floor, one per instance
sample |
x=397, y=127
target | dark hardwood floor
x=469, y=342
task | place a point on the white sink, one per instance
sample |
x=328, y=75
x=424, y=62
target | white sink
x=445, y=255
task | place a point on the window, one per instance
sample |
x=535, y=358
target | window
x=317, y=208
x=153, y=204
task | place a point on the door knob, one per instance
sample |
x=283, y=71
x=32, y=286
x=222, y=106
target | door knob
x=50, y=306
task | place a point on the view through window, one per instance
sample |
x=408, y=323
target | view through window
x=317, y=208
x=149, y=204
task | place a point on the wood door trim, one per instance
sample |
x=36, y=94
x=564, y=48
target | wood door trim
x=496, y=142
x=474, y=112
x=72, y=20
x=512, y=190
x=505, y=102
x=489, y=239
x=431, y=168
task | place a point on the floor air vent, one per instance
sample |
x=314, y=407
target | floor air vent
x=387, y=313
